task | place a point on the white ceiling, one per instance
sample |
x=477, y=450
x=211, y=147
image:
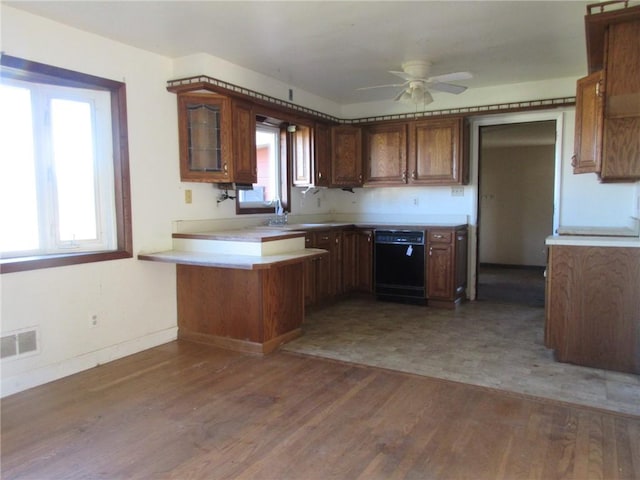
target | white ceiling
x=331, y=48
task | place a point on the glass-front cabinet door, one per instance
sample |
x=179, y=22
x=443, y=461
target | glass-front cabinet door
x=205, y=138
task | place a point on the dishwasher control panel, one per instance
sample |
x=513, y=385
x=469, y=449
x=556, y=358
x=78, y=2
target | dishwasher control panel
x=415, y=237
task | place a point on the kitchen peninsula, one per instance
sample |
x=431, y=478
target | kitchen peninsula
x=240, y=289
x=593, y=300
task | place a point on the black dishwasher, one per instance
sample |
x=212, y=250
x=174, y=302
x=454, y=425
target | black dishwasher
x=399, y=265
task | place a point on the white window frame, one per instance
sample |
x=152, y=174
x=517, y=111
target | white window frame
x=46, y=186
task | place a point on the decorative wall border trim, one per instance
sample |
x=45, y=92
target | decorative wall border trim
x=202, y=80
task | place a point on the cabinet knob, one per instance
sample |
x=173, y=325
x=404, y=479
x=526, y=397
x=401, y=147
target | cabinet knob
x=404, y=176
x=574, y=160
x=319, y=174
x=437, y=235
x=413, y=175
x=431, y=251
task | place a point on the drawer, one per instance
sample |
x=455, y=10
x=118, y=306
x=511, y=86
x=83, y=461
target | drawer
x=440, y=236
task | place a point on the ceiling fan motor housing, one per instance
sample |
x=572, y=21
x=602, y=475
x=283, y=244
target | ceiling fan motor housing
x=416, y=68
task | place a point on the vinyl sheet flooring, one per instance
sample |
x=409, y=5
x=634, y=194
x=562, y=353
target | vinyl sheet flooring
x=493, y=342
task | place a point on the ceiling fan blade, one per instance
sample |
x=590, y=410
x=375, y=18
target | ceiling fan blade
x=382, y=86
x=399, y=95
x=403, y=75
x=451, y=77
x=447, y=87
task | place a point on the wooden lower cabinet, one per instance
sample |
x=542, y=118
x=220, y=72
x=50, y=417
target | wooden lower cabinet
x=446, y=266
x=323, y=274
x=364, y=261
x=593, y=306
x=247, y=310
x=349, y=260
x=348, y=265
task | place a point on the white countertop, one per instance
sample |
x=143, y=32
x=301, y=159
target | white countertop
x=242, y=262
x=594, y=241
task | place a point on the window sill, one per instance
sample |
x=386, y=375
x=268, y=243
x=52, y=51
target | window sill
x=36, y=262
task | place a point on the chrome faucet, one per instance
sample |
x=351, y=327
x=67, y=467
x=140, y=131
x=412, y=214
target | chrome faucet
x=280, y=217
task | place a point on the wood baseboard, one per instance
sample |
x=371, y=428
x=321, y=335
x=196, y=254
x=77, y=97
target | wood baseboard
x=243, y=346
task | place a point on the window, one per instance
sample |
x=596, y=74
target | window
x=63, y=168
x=271, y=162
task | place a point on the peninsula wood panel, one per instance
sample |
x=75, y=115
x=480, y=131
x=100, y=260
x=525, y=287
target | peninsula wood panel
x=593, y=309
x=256, y=306
x=184, y=410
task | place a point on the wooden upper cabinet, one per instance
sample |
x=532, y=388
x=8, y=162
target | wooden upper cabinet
x=385, y=154
x=588, y=136
x=621, y=136
x=322, y=155
x=302, y=160
x=437, y=152
x=244, y=168
x=204, y=125
x=607, y=137
x=346, y=158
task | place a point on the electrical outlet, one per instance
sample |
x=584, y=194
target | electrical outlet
x=93, y=320
x=457, y=191
x=416, y=201
x=188, y=196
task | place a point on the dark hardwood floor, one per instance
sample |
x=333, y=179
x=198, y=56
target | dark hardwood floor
x=184, y=410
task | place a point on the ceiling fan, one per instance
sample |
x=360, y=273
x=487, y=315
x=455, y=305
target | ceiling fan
x=417, y=83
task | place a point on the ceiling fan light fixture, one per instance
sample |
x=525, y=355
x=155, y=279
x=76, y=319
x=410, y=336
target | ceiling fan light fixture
x=426, y=98
x=406, y=97
x=417, y=94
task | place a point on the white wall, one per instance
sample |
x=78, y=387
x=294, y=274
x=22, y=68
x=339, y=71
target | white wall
x=516, y=204
x=135, y=300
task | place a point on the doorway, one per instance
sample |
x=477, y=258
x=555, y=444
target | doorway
x=516, y=180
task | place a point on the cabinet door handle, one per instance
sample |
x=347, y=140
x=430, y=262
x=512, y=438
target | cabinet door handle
x=319, y=175
x=225, y=167
x=430, y=251
x=404, y=176
x=337, y=241
x=574, y=160
x=413, y=175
